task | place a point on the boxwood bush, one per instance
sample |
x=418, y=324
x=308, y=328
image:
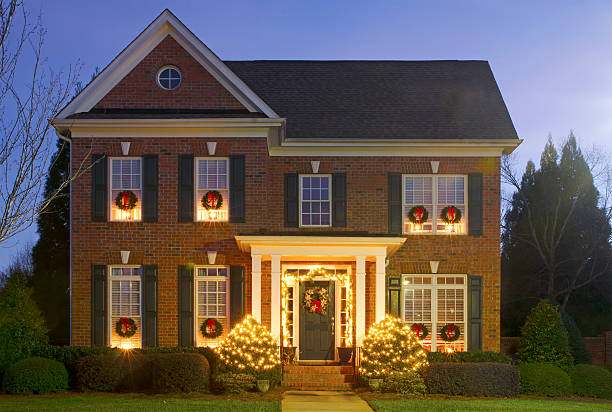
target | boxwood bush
x=113, y=372
x=180, y=372
x=472, y=379
x=35, y=375
x=236, y=382
x=472, y=357
x=544, y=379
x=409, y=383
x=590, y=380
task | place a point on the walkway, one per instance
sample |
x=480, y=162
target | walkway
x=300, y=401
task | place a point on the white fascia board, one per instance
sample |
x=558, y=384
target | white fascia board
x=166, y=24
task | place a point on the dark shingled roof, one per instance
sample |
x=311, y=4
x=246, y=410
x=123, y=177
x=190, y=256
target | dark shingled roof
x=381, y=99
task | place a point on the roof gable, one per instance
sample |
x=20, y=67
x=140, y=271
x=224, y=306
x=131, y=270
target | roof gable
x=164, y=29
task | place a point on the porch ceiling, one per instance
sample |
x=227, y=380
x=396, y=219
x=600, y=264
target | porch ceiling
x=313, y=248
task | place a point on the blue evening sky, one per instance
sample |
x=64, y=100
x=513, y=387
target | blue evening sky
x=552, y=59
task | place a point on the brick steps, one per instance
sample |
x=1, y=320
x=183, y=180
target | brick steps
x=319, y=377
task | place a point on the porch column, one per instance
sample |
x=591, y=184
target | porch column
x=360, y=275
x=275, y=298
x=380, y=287
x=256, y=287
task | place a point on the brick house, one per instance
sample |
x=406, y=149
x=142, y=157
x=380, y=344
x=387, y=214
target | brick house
x=369, y=187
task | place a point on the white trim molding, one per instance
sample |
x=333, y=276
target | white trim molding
x=275, y=298
x=380, y=288
x=360, y=275
x=256, y=287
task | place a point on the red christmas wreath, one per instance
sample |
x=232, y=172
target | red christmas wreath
x=450, y=332
x=212, y=200
x=420, y=330
x=450, y=215
x=126, y=200
x=418, y=215
x=211, y=328
x=125, y=327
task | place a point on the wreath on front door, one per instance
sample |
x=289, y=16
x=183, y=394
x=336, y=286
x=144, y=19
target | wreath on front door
x=418, y=215
x=450, y=332
x=316, y=300
x=125, y=327
x=450, y=215
x=420, y=330
x=126, y=200
x=212, y=200
x=211, y=328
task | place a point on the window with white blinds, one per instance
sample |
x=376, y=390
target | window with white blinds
x=126, y=177
x=212, y=175
x=125, y=303
x=436, y=301
x=212, y=300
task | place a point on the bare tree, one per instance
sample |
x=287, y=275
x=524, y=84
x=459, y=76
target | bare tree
x=30, y=95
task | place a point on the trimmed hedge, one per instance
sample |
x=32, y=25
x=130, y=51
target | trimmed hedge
x=544, y=379
x=409, y=383
x=590, y=380
x=472, y=379
x=35, y=375
x=236, y=382
x=180, y=372
x=471, y=357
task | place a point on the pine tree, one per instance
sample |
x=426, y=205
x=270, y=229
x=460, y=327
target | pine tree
x=51, y=254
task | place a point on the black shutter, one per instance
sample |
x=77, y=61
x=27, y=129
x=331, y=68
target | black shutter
x=149, y=188
x=339, y=200
x=185, y=306
x=237, y=295
x=185, y=189
x=474, y=313
x=99, y=188
x=475, y=204
x=292, y=199
x=237, y=189
x=395, y=203
x=149, y=305
x=98, y=305
x=393, y=296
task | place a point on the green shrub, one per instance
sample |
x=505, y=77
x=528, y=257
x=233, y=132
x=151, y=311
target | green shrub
x=544, y=379
x=590, y=380
x=22, y=327
x=471, y=357
x=35, y=375
x=608, y=368
x=408, y=383
x=472, y=379
x=575, y=340
x=69, y=355
x=114, y=372
x=180, y=372
x=236, y=382
x=544, y=338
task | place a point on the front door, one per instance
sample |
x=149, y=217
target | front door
x=317, y=321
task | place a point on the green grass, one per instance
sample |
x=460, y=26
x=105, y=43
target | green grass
x=127, y=404
x=523, y=405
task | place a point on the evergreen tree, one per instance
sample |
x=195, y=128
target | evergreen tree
x=51, y=254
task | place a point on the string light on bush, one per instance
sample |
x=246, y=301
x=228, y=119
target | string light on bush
x=391, y=348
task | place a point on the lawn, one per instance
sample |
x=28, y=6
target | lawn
x=85, y=403
x=523, y=405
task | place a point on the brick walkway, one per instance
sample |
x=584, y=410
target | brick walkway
x=294, y=401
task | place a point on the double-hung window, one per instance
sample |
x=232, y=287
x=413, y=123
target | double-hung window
x=125, y=289
x=436, y=301
x=315, y=200
x=435, y=204
x=211, y=300
x=212, y=189
x=126, y=189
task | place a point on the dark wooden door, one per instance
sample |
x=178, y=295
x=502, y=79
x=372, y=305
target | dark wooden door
x=317, y=329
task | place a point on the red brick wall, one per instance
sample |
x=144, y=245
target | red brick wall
x=168, y=243
x=198, y=89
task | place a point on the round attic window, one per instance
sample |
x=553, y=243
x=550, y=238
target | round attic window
x=169, y=78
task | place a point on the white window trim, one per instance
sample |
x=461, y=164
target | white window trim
x=434, y=304
x=197, y=186
x=434, y=198
x=329, y=187
x=110, y=189
x=196, y=278
x=169, y=66
x=109, y=298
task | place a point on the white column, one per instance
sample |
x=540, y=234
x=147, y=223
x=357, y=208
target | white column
x=256, y=287
x=275, y=298
x=380, y=288
x=360, y=274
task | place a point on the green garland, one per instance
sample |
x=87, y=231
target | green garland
x=126, y=327
x=126, y=200
x=454, y=212
x=420, y=328
x=211, y=324
x=415, y=212
x=212, y=200
x=452, y=328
